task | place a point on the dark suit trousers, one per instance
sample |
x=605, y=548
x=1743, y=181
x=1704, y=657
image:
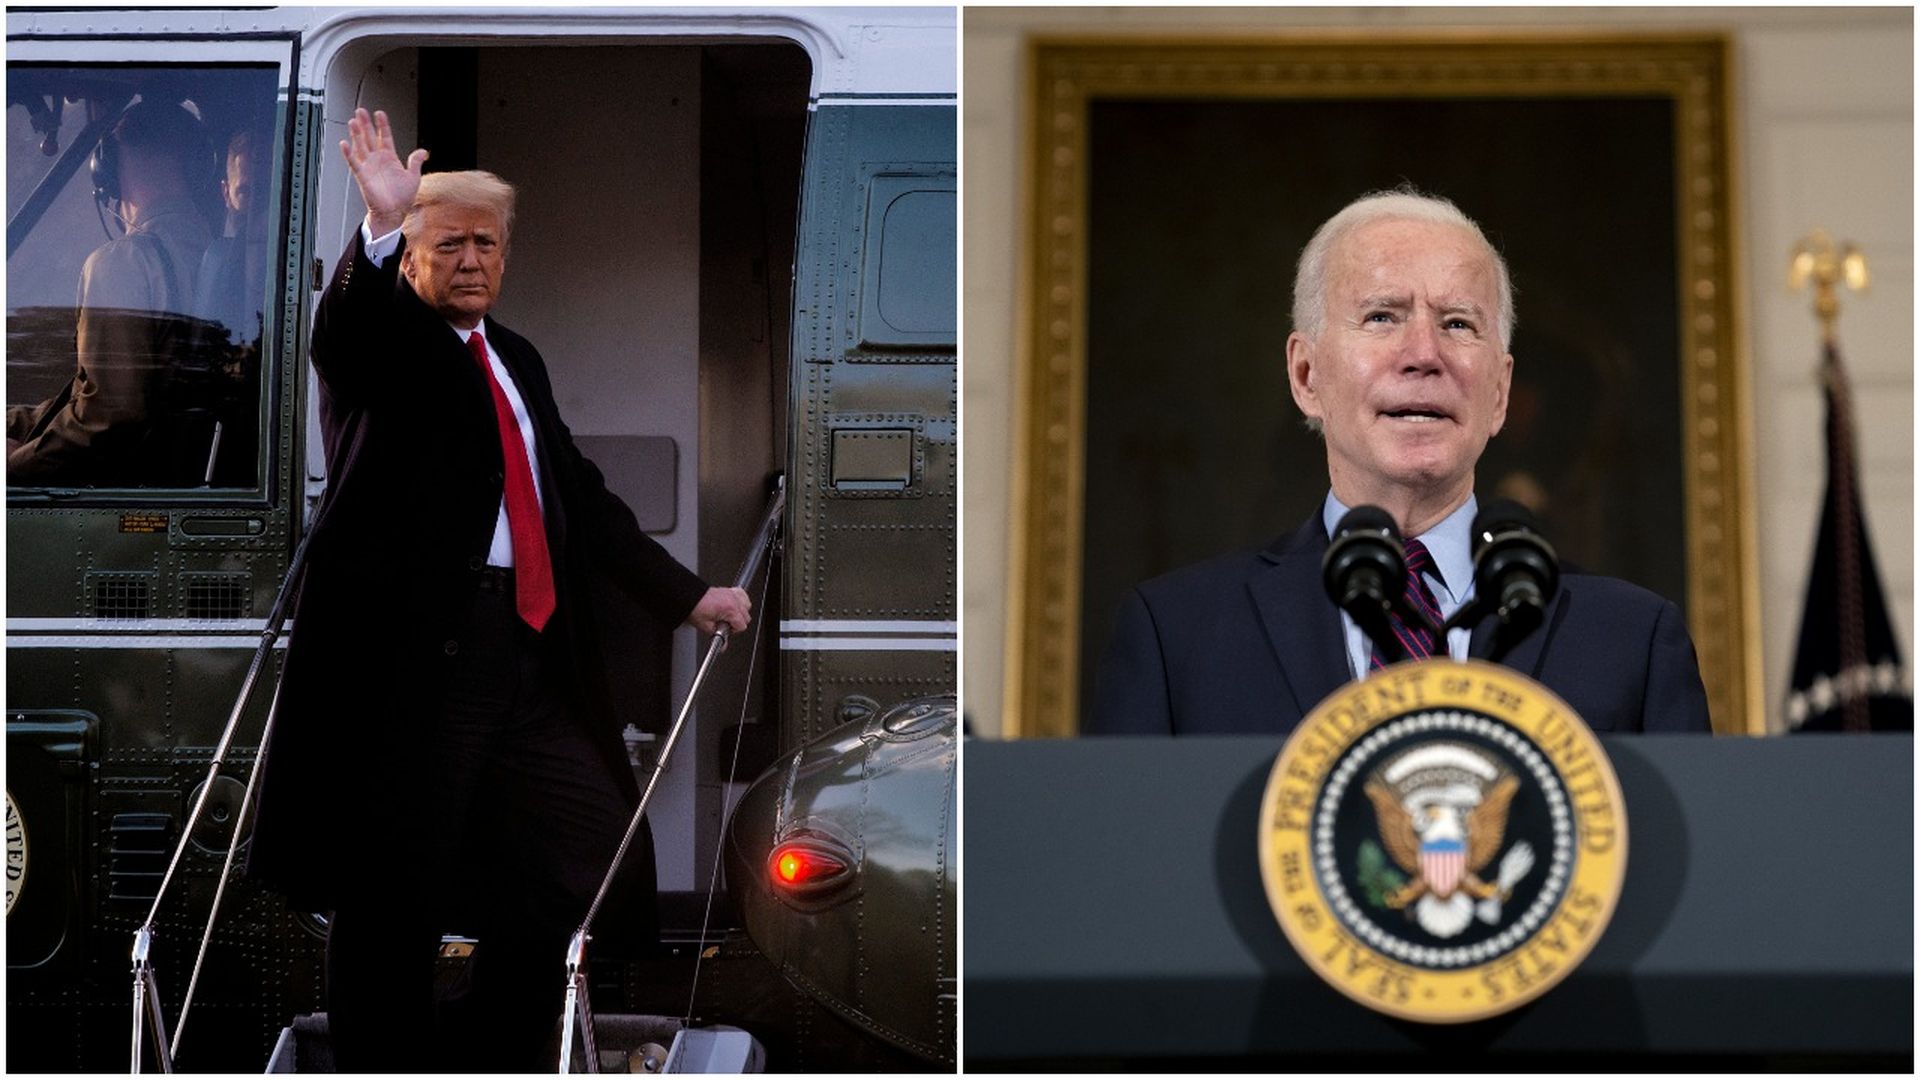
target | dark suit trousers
x=523, y=820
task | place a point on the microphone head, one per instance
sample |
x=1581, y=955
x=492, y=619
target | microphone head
x=1367, y=519
x=1498, y=516
x=1509, y=552
x=1364, y=560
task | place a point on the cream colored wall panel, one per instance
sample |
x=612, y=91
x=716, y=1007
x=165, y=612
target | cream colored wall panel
x=1835, y=69
x=1787, y=537
x=1890, y=518
x=1853, y=178
x=1786, y=546
x=1876, y=327
x=1883, y=423
x=1799, y=495
x=1876, y=337
x=1856, y=183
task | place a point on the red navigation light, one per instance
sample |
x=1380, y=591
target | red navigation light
x=793, y=866
x=805, y=864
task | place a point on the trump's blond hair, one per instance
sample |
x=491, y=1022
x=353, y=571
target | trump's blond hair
x=475, y=188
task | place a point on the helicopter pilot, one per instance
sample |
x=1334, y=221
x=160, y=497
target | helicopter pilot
x=105, y=427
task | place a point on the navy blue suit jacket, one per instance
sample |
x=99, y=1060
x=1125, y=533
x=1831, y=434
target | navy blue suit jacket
x=1250, y=643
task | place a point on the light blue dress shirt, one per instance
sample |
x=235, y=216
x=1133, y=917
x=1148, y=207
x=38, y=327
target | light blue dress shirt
x=1450, y=544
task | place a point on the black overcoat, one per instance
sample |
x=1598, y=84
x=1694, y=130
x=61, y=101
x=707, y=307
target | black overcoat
x=413, y=457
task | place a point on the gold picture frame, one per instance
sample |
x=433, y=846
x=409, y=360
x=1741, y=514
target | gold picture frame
x=1069, y=74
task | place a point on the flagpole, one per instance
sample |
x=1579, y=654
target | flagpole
x=1837, y=668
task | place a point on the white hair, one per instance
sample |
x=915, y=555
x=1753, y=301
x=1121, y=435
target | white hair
x=1404, y=203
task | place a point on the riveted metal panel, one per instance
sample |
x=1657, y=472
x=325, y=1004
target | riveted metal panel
x=871, y=547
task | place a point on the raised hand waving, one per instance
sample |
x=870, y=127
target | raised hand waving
x=386, y=183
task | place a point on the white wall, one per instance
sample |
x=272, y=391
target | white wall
x=604, y=276
x=1823, y=102
x=1829, y=142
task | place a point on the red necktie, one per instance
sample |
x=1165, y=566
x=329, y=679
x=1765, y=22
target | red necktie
x=1417, y=640
x=532, y=570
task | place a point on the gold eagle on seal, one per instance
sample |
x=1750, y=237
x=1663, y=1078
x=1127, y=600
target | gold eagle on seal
x=1442, y=810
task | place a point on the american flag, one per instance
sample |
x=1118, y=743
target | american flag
x=1847, y=672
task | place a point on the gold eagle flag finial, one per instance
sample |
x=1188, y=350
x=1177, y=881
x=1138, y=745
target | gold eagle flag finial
x=1816, y=259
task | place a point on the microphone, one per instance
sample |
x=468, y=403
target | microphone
x=1513, y=565
x=1515, y=572
x=1365, y=573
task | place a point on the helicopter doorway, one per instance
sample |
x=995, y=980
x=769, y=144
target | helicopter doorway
x=652, y=263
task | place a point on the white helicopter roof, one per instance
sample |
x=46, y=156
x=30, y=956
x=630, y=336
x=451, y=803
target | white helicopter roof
x=859, y=54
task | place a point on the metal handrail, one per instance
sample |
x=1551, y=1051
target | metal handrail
x=146, y=988
x=578, y=1008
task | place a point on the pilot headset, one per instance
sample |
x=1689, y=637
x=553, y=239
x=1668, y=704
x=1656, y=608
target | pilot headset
x=104, y=165
x=156, y=121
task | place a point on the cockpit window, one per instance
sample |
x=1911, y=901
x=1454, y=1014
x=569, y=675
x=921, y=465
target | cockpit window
x=141, y=240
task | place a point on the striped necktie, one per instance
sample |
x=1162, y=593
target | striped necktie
x=1417, y=640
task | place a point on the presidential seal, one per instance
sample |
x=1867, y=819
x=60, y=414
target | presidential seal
x=16, y=853
x=1443, y=841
